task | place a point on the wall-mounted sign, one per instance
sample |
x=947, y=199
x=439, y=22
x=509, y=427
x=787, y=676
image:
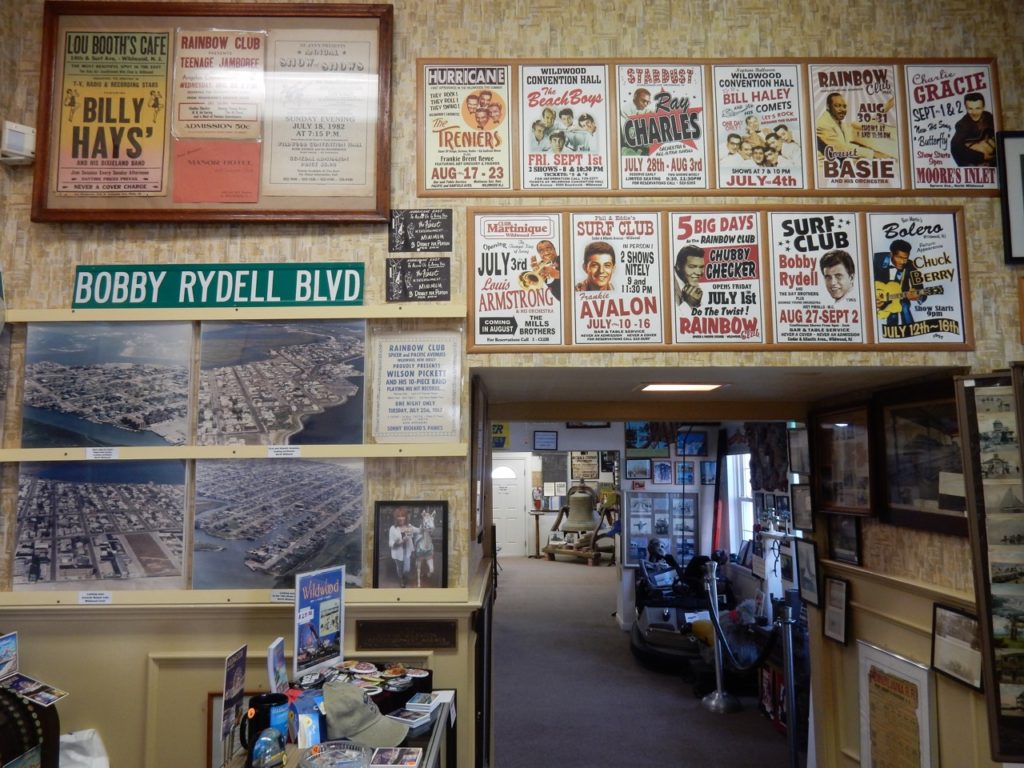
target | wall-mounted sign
x=421, y=230
x=218, y=285
x=411, y=279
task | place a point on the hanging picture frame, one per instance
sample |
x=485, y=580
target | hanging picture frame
x=956, y=645
x=842, y=460
x=834, y=625
x=807, y=568
x=410, y=545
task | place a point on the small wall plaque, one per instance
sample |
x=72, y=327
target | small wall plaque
x=375, y=635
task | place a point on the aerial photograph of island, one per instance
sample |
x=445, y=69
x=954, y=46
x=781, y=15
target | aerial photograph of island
x=281, y=382
x=259, y=522
x=106, y=384
x=100, y=525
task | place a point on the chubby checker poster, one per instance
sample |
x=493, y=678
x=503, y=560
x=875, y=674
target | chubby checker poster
x=616, y=269
x=952, y=126
x=915, y=273
x=816, y=278
x=517, y=280
x=759, y=135
x=716, y=278
x=662, y=127
x=563, y=116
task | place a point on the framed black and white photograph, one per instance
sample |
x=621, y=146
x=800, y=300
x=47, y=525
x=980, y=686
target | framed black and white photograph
x=842, y=461
x=799, y=451
x=956, y=645
x=844, y=538
x=834, y=625
x=807, y=567
x=803, y=514
x=661, y=471
x=410, y=545
x=708, y=472
x=638, y=469
x=544, y=440
x=1010, y=154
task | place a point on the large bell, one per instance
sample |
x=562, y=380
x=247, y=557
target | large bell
x=581, y=512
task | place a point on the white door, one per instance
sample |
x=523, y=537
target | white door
x=509, y=492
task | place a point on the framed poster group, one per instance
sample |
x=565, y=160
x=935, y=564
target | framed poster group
x=174, y=111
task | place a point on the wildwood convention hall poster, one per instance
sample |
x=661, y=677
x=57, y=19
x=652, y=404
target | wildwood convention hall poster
x=760, y=134
x=716, y=277
x=563, y=114
x=662, y=126
x=815, y=276
x=466, y=127
x=616, y=267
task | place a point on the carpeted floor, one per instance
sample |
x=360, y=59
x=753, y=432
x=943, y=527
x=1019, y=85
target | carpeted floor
x=568, y=691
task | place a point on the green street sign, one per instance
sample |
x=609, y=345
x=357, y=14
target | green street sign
x=218, y=285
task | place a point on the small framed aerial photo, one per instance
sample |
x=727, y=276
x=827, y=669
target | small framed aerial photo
x=956, y=645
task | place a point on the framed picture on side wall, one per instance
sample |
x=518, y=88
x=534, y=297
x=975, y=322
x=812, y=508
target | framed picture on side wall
x=1010, y=154
x=842, y=461
x=807, y=567
x=410, y=544
x=956, y=645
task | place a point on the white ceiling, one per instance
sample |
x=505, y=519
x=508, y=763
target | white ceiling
x=789, y=384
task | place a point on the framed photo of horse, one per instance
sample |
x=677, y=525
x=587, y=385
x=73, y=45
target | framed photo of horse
x=410, y=546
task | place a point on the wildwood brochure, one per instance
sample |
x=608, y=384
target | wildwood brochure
x=319, y=619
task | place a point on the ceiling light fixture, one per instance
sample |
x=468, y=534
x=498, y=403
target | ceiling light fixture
x=680, y=387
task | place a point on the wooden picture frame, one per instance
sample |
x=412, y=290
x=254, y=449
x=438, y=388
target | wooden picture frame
x=919, y=467
x=836, y=596
x=807, y=568
x=897, y=707
x=844, y=538
x=1010, y=154
x=421, y=540
x=956, y=645
x=691, y=442
x=842, y=460
x=803, y=510
x=213, y=112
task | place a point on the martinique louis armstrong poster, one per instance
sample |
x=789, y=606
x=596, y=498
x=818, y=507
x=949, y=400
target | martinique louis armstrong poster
x=662, y=126
x=856, y=126
x=563, y=126
x=616, y=268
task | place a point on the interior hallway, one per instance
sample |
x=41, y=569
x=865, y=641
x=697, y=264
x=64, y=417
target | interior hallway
x=568, y=691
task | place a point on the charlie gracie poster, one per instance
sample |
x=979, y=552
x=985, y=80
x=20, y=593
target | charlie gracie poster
x=759, y=130
x=662, y=128
x=816, y=278
x=915, y=278
x=856, y=126
x=616, y=271
x=715, y=269
x=563, y=114
x=953, y=126
x=466, y=125
x=516, y=280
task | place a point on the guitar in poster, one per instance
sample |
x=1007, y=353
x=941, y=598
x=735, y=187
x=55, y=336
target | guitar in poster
x=953, y=126
x=716, y=278
x=662, y=130
x=563, y=115
x=915, y=278
x=616, y=261
x=760, y=136
x=856, y=126
x=816, y=278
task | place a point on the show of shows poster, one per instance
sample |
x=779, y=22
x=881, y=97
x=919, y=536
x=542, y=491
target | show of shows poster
x=618, y=291
x=563, y=117
x=662, y=129
x=816, y=278
x=113, y=116
x=757, y=116
x=466, y=127
x=856, y=126
x=516, y=279
x=952, y=126
x=716, y=278
x=319, y=618
x=915, y=278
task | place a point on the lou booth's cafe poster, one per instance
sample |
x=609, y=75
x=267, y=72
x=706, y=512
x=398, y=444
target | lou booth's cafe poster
x=617, y=282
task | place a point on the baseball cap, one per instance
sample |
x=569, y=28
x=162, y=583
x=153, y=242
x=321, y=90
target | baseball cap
x=352, y=715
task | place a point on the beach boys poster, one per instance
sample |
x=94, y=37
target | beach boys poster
x=716, y=277
x=662, y=128
x=563, y=115
x=616, y=261
x=759, y=129
x=856, y=126
x=516, y=280
x=319, y=618
x=816, y=277
x=916, y=276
